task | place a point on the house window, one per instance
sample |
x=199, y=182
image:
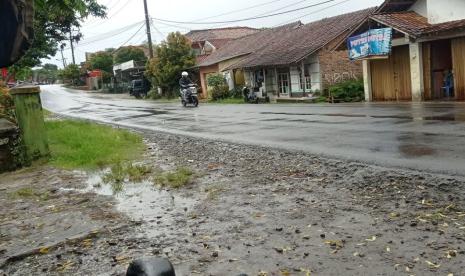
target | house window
x=283, y=83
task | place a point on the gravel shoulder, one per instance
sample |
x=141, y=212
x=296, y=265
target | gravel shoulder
x=250, y=210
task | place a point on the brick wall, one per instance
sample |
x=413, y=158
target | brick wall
x=336, y=67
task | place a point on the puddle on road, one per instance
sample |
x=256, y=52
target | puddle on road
x=447, y=117
x=158, y=209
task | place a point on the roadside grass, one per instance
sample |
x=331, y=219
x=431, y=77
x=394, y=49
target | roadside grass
x=121, y=172
x=178, y=178
x=85, y=145
x=229, y=101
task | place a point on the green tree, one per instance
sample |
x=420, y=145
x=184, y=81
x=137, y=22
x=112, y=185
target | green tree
x=171, y=57
x=53, y=22
x=103, y=61
x=128, y=53
x=48, y=73
x=24, y=74
x=71, y=73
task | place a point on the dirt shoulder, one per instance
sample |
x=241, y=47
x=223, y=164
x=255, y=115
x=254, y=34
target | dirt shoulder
x=250, y=210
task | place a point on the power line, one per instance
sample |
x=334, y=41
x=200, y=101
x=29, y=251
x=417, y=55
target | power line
x=314, y=12
x=284, y=7
x=173, y=25
x=245, y=19
x=107, y=35
x=239, y=10
x=141, y=27
x=111, y=16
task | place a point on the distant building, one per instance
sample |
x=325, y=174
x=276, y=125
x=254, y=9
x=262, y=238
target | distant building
x=288, y=61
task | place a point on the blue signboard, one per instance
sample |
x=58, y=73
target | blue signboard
x=376, y=42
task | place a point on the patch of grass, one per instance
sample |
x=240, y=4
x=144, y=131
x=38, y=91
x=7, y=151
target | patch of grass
x=47, y=113
x=85, y=145
x=229, y=101
x=176, y=179
x=121, y=172
x=29, y=193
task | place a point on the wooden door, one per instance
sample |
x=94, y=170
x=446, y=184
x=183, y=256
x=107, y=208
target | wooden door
x=402, y=75
x=382, y=80
x=458, y=60
x=390, y=78
x=427, y=71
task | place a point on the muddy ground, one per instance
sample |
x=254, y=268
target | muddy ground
x=251, y=210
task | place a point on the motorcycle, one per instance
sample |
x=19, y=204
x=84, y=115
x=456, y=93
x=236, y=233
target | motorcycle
x=189, y=96
x=248, y=96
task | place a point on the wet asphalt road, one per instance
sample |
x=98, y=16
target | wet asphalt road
x=428, y=137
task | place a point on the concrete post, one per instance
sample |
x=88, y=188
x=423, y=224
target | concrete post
x=416, y=69
x=30, y=119
x=367, y=80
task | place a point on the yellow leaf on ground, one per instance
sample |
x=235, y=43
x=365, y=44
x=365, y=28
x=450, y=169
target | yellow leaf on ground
x=371, y=239
x=43, y=250
x=432, y=265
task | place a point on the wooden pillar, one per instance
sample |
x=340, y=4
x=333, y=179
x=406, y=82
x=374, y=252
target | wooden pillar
x=278, y=93
x=458, y=59
x=416, y=71
x=367, y=80
x=264, y=80
x=303, y=77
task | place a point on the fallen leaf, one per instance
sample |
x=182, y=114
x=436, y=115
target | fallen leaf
x=65, y=266
x=43, y=250
x=432, y=265
x=285, y=273
x=451, y=254
x=371, y=239
x=308, y=272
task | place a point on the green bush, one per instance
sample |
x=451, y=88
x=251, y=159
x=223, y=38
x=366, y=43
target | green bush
x=236, y=93
x=219, y=89
x=348, y=91
x=153, y=95
x=6, y=105
x=216, y=80
x=219, y=92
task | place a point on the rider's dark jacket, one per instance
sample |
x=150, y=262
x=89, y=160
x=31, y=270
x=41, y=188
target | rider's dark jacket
x=184, y=82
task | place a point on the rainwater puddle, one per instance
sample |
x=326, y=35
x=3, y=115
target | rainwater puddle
x=158, y=209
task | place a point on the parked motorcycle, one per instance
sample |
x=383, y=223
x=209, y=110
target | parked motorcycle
x=189, y=96
x=249, y=97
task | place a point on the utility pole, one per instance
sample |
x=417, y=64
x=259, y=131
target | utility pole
x=63, y=57
x=72, y=47
x=149, y=35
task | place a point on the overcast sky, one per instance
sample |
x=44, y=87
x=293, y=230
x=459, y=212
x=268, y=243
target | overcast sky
x=124, y=23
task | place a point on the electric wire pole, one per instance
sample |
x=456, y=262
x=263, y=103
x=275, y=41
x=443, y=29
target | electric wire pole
x=72, y=47
x=149, y=35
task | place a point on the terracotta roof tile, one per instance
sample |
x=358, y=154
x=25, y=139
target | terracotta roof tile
x=286, y=44
x=219, y=33
x=414, y=24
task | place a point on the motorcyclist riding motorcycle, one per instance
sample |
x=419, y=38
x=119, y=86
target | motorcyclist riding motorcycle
x=188, y=91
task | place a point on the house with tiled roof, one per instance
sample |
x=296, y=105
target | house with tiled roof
x=426, y=60
x=205, y=42
x=293, y=60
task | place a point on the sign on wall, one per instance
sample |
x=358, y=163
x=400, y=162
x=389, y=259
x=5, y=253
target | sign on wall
x=376, y=42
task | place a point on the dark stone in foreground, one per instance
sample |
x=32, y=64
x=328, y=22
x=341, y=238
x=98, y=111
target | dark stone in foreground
x=151, y=267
